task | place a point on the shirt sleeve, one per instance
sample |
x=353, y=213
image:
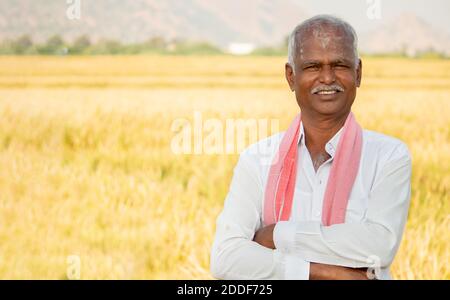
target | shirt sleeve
x=234, y=254
x=371, y=243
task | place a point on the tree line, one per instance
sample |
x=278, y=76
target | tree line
x=55, y=45
x=83, y=45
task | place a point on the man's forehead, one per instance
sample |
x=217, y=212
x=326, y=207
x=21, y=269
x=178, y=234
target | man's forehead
x=319, y=30
x=325, y=55
x=326, y=36
x=314, y=59
x=326, y=44
x=332, y=41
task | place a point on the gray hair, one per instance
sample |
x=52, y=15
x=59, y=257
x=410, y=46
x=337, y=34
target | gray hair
x=295, y=36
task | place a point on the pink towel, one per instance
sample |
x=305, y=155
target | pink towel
x=282, y=175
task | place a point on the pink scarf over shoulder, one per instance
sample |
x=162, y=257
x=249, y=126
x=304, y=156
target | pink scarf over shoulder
x=283, y=172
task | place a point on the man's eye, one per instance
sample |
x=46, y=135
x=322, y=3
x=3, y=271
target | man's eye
x=341, y=66
x=311, y=68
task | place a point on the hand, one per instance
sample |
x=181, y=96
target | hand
x=330, y=272
x=264, y=236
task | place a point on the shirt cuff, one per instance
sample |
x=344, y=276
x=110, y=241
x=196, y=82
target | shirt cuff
x=284, y=235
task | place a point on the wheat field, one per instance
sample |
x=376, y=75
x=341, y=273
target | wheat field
x=90, y=187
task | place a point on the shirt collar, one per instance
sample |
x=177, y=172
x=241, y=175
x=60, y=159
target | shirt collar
x=330, y=146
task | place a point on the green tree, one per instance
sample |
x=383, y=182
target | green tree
x=80, y=45
x=106, y=47
x=21, y=45
x=54, y=45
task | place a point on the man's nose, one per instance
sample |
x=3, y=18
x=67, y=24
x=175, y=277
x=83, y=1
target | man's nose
x=327, y=75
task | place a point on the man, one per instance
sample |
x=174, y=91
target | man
x=333, y=201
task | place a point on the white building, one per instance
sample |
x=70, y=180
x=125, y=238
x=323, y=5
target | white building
x=241, y=48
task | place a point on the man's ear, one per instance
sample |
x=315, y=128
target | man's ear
x=359, y=73
x=290, y=77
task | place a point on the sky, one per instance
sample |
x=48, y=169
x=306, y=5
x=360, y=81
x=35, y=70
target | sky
x=434, y=12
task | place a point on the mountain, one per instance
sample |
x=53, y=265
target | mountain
x=220, y=22
x=406, y=34
x=259, y=22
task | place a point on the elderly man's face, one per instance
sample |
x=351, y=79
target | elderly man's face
x=326, y=74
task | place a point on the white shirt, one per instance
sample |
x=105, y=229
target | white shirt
x=375, y=219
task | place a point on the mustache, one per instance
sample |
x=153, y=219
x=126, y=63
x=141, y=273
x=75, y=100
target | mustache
x=321, y=88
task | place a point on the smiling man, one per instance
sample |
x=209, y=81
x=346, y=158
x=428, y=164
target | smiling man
x=333, y=200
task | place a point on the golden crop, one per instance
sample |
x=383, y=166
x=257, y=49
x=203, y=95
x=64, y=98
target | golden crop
x=87, y=170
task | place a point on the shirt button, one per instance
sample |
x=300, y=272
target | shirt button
x=330, y=149
x=318, y=213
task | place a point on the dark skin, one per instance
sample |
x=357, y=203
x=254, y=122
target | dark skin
x=325, y=58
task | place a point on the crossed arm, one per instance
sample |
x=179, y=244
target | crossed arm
x=317, y=271
x=244, y=250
